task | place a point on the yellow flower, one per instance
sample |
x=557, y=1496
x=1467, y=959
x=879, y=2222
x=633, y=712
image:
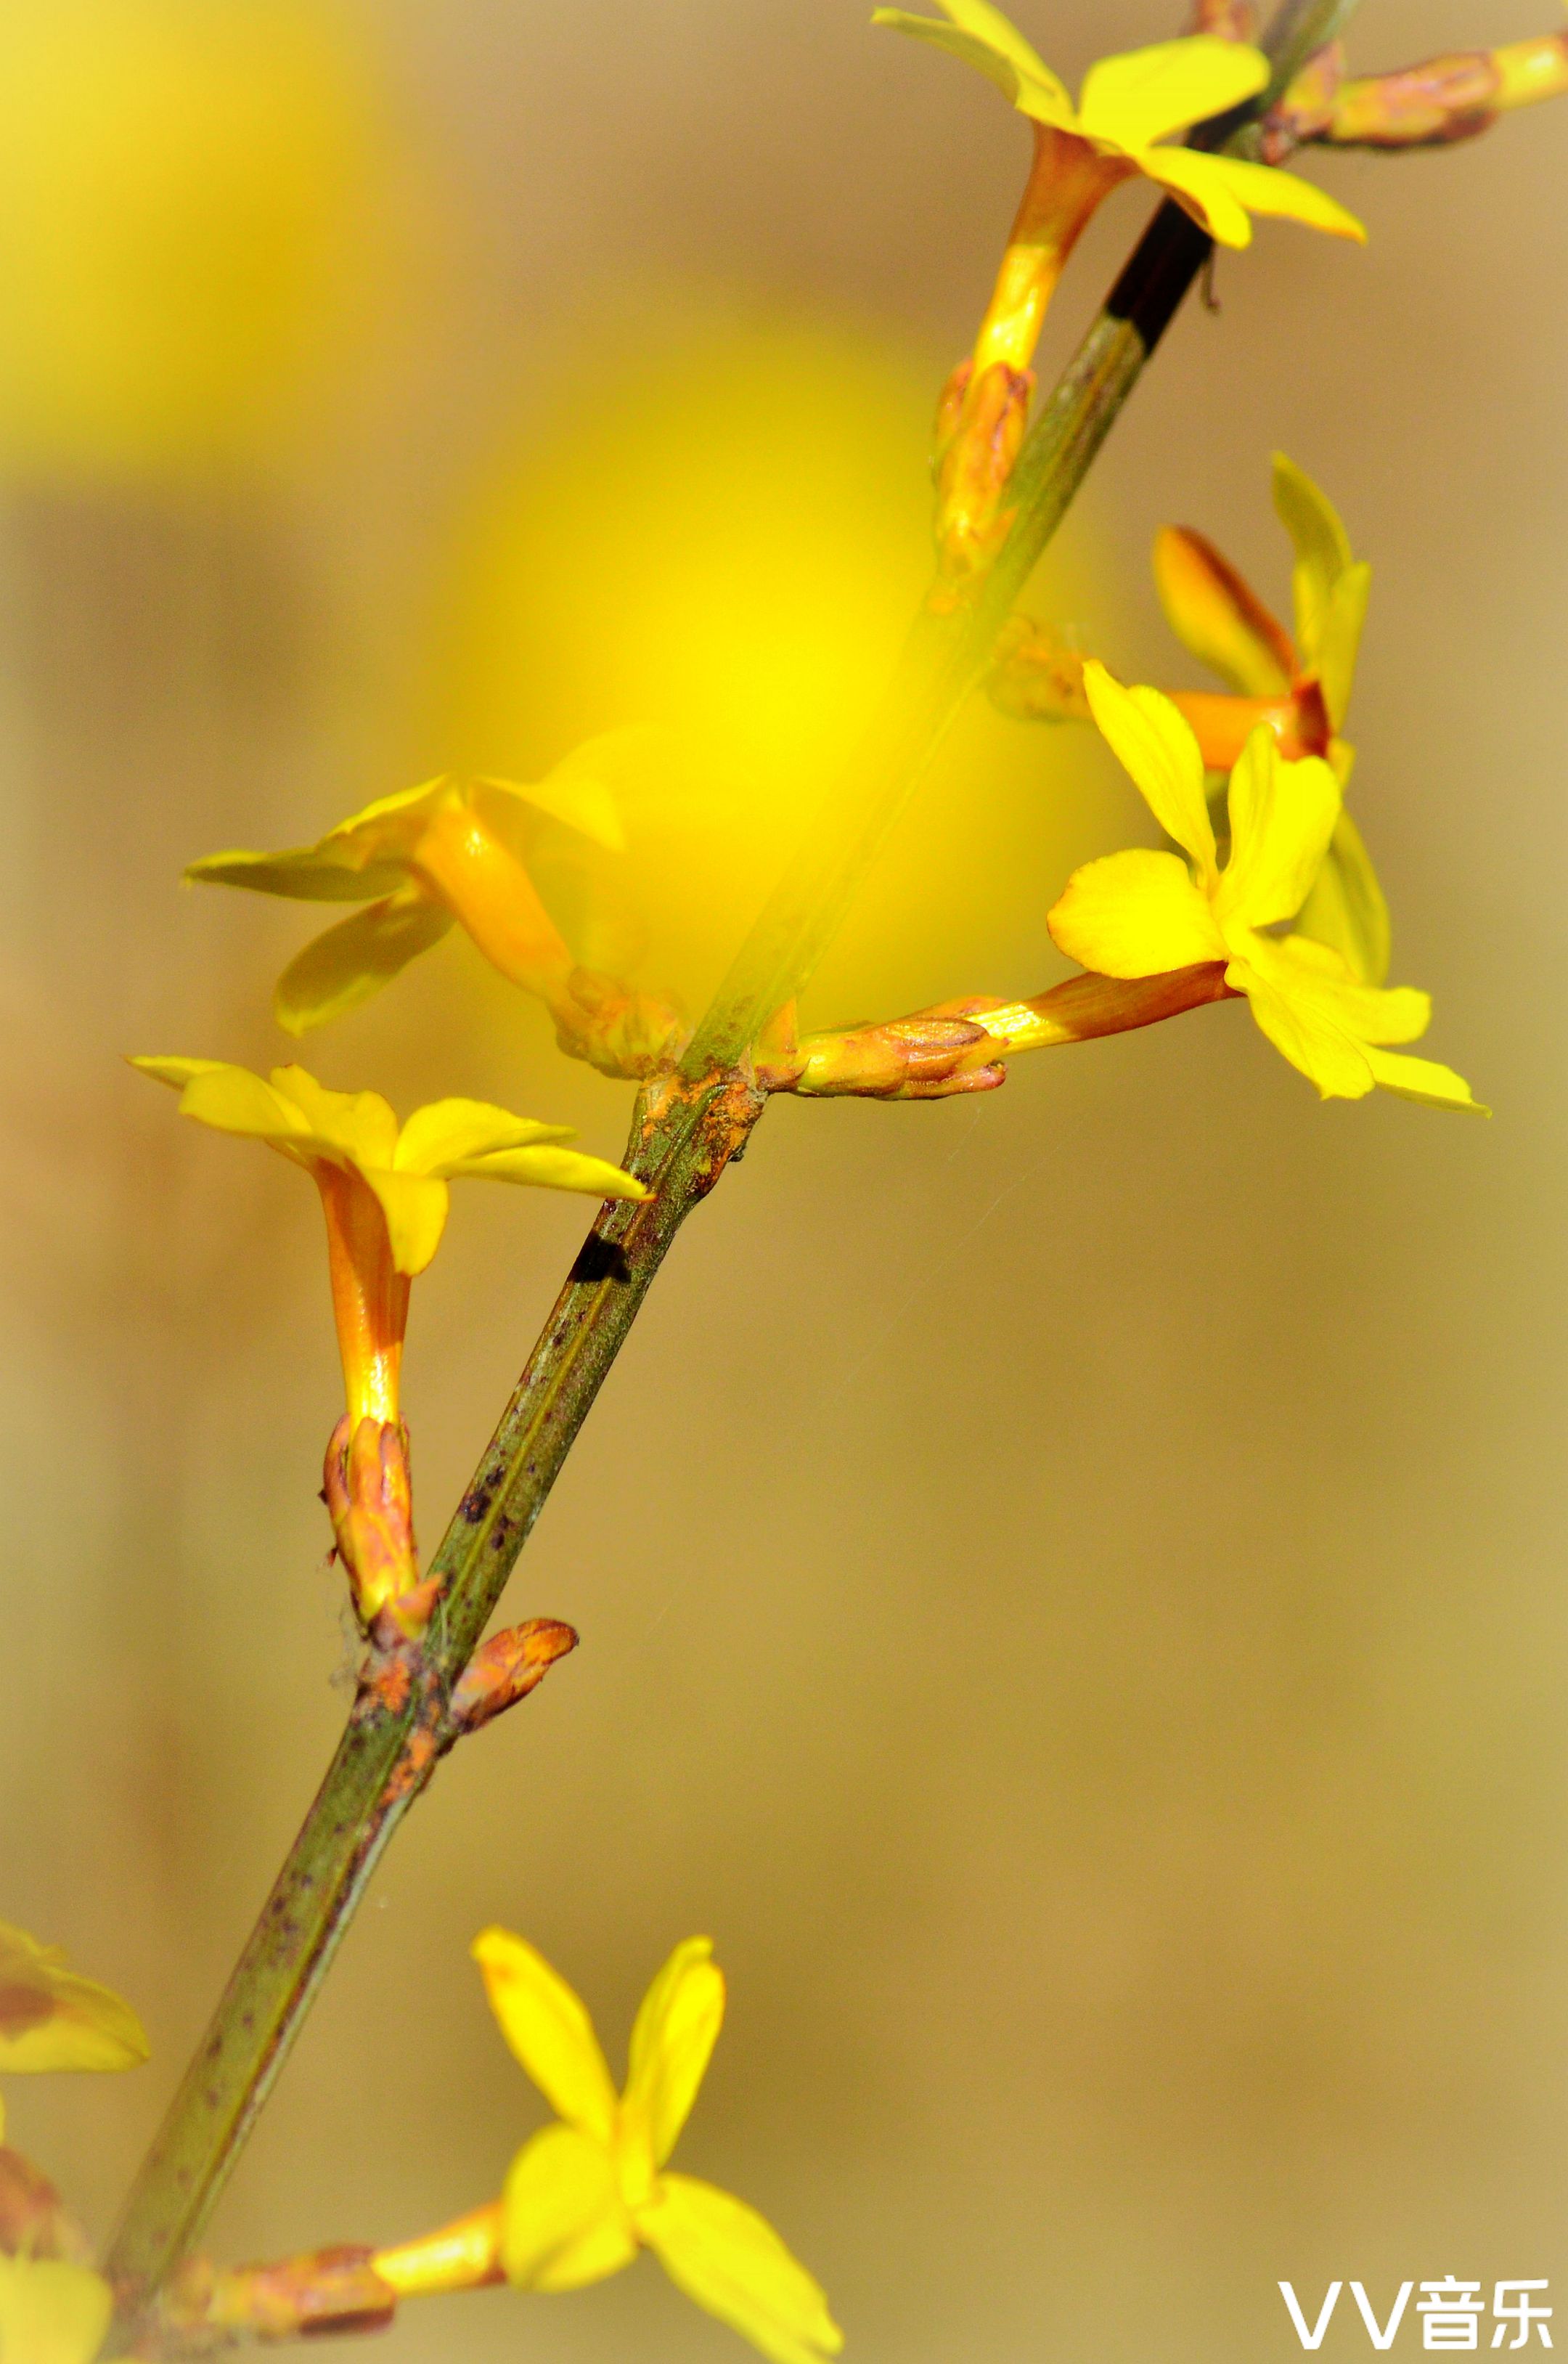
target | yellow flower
x=1129, y=105
x=1144, y=913
x=585, y=2194
x=385, y=1192
x=51, y=2313
x=383, y=1188
x=1300, y=686
x=51, y=2018
x=457, y=850
x=1131, y=101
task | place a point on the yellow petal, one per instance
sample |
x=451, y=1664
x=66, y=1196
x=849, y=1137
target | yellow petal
x=1327, y=1055
x=562, y=2219
x=1142, y=94
x=337, y=971
x=364, y=856
x=51, y=2313
x=582, y=790
x=1282, y=817
x=1338, y=640
x=1264, y=189
x=1346, y=909
x=979, y=36
x=1156, y=744
x=360, y=1126
x=1423, y=1079
x=1219, y=617
x=415, y=1207
x=1135, y=914
x=729, y=2260
x=51, y=2018
x=672, y=2044
x=555, y=1169
x=1322, y=549
x=548, y=2032
x=1197, y=184
x=232, y=1099
x=1372, y=1013
x=441, y=1137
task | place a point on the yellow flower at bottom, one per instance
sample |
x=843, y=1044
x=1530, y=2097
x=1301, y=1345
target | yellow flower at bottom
x=51, y=2018
x=585, y=2194
x=1143, y=913
x=51, y=2313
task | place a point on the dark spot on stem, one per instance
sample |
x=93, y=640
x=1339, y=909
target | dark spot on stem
x=599, y=1260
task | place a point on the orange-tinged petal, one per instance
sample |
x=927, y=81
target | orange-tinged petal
x=1219, y=616
x=1135, y=914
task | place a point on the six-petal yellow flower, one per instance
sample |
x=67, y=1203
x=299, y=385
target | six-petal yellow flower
x=586, y=2194
x=1143, y=913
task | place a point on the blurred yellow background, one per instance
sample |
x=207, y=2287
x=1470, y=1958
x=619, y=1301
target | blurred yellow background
x=1071, y=1581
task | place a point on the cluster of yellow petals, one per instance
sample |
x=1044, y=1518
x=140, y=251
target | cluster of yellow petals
x=1131, y=103
x=587, y=2192
x=1145, y=913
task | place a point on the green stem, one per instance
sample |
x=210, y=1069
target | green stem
x=696, y=1121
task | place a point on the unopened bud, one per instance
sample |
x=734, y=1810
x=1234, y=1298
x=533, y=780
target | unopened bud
x=972, y=523
x=369, y=1495
x=507, y=1668
x=326, y=2291
x=616, y=1029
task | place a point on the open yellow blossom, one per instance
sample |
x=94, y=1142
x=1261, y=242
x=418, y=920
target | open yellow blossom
x=586, y=2194
x=1144, y=913
x=52, y=2017
x=1300, y=686
x=1128, y=105
x=51, y=2311
x=453, y=849
x=384, y=1187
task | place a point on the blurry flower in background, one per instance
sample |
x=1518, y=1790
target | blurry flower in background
x=726, y=540
x=53, y=2018
x=195, y=195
